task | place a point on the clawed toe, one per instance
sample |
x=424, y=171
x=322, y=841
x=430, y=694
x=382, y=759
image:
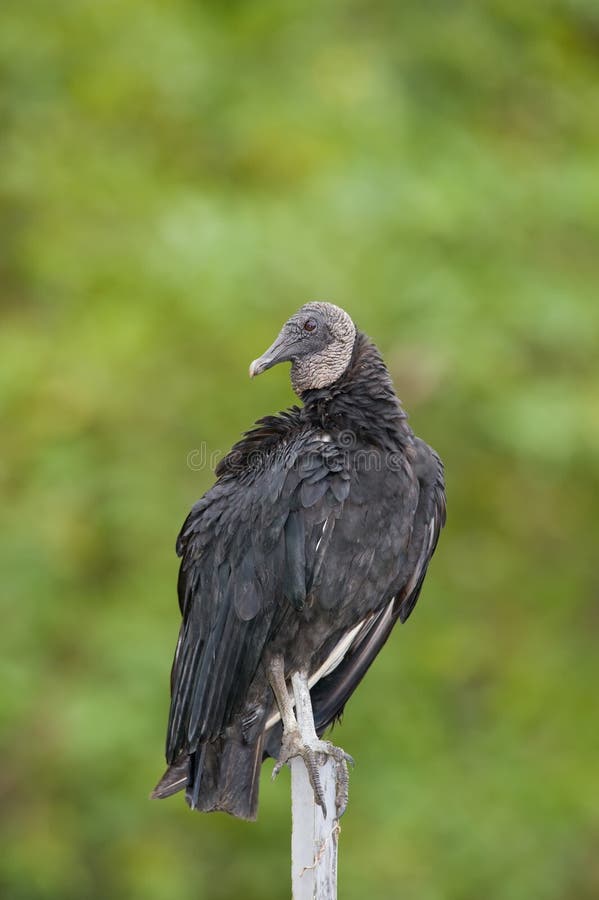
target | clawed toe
x=291, y=746
x=314, y=756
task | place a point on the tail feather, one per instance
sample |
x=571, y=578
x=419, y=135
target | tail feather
x=173, y=780
x=222, y=775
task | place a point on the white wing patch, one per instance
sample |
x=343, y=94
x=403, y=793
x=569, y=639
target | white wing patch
x=431, y=535
x=319, y=541
x=334, y=658
x=330, y=663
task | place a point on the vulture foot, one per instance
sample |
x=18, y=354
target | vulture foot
x=314, y=754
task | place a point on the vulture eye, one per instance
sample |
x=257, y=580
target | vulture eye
x=310, y=325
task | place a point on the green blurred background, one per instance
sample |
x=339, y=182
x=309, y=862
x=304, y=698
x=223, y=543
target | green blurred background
x=176, y=178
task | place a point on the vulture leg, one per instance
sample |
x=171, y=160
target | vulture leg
x=300, y=738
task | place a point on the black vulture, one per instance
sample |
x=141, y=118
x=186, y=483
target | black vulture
x=295, y=566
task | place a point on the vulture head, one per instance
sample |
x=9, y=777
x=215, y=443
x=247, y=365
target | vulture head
x=318, y=342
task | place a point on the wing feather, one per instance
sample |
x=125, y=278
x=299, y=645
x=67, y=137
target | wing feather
x=330, y=694
x=248, y=543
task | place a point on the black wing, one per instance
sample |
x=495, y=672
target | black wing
x=250, y=553
x=230, y=577
x=330, y=694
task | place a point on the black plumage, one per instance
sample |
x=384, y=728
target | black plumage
x=313, y=541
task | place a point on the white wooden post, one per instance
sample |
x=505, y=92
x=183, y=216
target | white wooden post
x=313, y=838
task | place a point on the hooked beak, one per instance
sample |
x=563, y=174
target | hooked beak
x=276, y=353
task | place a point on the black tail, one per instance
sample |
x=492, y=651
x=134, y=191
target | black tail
x=222, y=775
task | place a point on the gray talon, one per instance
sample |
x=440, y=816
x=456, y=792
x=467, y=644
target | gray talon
x=314, y=756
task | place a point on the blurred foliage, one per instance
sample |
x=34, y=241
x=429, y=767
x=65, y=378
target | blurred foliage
x=176, y=179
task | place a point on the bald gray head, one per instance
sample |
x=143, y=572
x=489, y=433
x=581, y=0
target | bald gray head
x=318, y=341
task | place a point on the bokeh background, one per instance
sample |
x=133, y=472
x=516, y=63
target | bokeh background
x=176, y=178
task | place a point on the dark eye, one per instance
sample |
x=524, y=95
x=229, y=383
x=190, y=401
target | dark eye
x=310, y=325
